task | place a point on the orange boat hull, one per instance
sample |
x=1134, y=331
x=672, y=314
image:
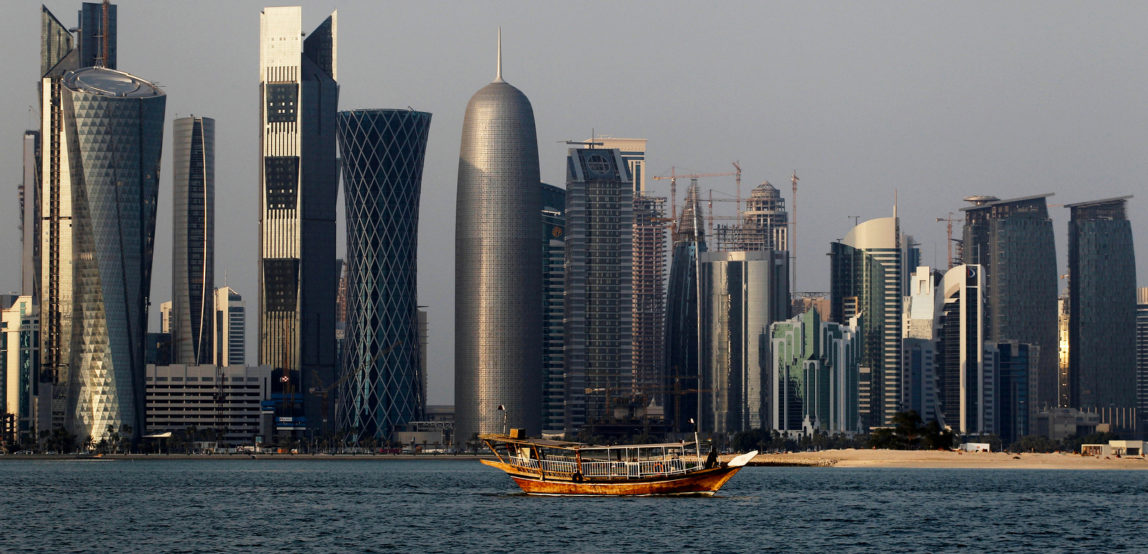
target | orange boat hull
x=702, y=483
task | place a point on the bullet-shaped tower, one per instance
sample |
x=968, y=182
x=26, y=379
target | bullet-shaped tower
x=498, y=266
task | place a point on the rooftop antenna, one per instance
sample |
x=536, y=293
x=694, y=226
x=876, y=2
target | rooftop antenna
x=498, y=70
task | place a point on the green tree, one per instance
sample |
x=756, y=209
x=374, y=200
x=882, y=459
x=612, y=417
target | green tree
x=1034, y=443
x=907, y=429
x=935, y=438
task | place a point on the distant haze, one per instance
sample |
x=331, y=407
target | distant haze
x=936, y=101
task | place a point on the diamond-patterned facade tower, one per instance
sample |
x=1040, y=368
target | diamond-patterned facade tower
x=382, y=154
x=115, y=135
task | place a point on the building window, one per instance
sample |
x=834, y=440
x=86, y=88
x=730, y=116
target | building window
x=281, y=102
x=281, y=180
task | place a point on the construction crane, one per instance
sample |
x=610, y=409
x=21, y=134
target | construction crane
x=324, y=393
x=949, y=242
x=793, y=234
x=673, y=179
x=737, y=166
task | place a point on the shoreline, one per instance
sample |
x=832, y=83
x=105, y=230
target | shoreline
x=944, y=459
x=243, y=457
x=840, y=458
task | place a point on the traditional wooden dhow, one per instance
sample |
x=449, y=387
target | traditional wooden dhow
x=548, y=467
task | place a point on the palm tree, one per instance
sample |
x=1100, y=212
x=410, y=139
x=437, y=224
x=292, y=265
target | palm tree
x=126, y=438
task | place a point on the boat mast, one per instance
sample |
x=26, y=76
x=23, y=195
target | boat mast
x=698, y=302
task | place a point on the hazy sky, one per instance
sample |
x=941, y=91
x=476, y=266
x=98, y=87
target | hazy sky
x=937, y=101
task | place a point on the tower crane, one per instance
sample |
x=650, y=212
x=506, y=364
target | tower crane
x=673, y=179
x=949, y=243
x=324, y=393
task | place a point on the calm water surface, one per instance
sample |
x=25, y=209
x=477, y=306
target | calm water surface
x=382, y=506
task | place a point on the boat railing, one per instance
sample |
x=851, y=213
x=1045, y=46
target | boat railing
x=643, y=468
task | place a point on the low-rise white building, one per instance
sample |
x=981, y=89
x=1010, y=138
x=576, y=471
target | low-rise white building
x=207, y=397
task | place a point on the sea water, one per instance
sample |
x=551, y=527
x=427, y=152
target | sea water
x=463, y=506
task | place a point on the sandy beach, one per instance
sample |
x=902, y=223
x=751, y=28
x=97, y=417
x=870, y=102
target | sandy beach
x=946, y=459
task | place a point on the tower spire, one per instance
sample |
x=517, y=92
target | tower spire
x=498, y=69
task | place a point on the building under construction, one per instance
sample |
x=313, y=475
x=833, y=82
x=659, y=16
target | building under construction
x=762, y=226
x=649, y=308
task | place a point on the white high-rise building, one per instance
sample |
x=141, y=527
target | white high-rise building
x=165, y=317
x=299, y=185
x=230, y=343
x=948, y=375
x=18, y=364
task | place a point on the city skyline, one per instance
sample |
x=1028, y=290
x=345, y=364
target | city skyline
x=897, y=126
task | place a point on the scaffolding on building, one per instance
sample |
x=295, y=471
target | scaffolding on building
x=649, y=278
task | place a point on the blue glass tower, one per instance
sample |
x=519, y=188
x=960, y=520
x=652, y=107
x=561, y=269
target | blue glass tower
x=682, y=376
x=380, y=385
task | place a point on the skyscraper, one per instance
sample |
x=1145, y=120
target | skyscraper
x=19, y=360
x=1013, y=242
x=230, y=344
x=1102, y=313
x=193, y=244
x=498, y=266
x=115, y=129
x=57, y=57
x=743, y=293
x=298, y=188
x=682, y=344
x=964, y=380
x=1063, y=332
x=381, y=383
x=648, y=309
x=1011, y=361
x=1142, y=354
x=553, y=311
x=867, y=272
x=94, y=39
x=813, y=377
x=165, y=317
x=599, y=283
x=764, y=224
x=634, y=152
x=30, y=218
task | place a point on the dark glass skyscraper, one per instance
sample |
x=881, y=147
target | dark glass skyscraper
x=92, y=35
x=1013, y=241
x=193, y=243
x=299, y=185
x=498, y=266
x=553, y=309
x=115, y=128
x=682, y=383
x=599, y=283
x=382, y=154
x=1142, y=353
x=1102, y=305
